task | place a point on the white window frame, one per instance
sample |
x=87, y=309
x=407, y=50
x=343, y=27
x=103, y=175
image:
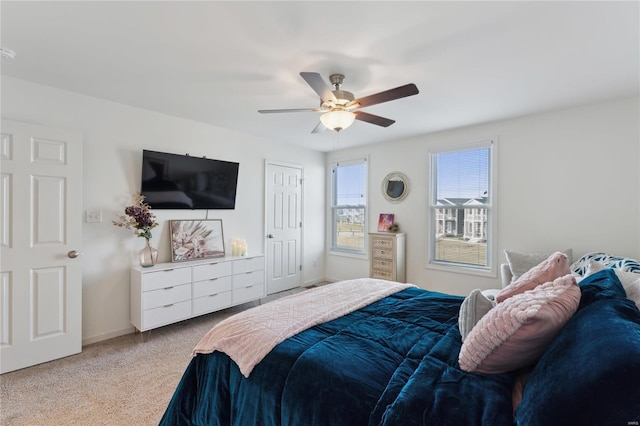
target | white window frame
x=333, y=208
x=491, y=270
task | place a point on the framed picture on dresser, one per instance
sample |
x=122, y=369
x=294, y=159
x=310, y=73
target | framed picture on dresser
x=196, y=239
x=385, y=222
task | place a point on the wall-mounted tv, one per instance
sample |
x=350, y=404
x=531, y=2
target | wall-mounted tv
x=172, y=181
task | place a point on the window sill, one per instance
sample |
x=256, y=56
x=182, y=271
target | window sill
x=459, y=269
x=362, y=256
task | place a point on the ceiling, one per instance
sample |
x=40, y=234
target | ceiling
x=219, y=62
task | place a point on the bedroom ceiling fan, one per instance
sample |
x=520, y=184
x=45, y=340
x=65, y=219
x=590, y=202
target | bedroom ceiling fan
x=340, y=108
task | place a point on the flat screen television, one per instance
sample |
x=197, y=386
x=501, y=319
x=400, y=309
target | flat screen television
x=173, y=181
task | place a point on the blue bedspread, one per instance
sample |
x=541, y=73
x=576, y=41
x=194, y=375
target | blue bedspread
x=394, y=362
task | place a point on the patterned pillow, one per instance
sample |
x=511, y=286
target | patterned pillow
x=581, y=266
x=517, y=331
x=555, y=266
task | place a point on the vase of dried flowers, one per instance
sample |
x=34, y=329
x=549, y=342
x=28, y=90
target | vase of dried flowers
x=141, y=220
x=148, y=256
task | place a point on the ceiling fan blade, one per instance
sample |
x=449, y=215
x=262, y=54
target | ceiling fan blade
x=373, y=119
x=319, y=128
x=386, y=96
x=316, y=82
x=272, y=111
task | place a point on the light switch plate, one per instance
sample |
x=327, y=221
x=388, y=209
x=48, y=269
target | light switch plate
x=93, y=216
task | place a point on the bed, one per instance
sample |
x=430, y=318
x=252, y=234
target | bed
x=396, y=360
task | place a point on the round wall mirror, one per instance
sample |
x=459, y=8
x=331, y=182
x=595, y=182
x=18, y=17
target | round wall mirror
x=395, y=187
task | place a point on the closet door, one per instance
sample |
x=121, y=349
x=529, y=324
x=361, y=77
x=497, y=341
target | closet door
x=284, y=227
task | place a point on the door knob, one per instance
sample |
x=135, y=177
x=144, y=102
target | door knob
x=73, y=254
x=270, y=236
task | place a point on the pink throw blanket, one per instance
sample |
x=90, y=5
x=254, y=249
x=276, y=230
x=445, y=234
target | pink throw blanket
x=249, y=336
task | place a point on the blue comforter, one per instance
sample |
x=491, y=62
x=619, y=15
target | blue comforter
x=394, y=362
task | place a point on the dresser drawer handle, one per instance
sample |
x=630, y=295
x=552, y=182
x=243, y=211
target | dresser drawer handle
x=213, y=295
x=168, y=270
x=213, y=279
x=167, y=306
x=249, y=286
x=168, y=288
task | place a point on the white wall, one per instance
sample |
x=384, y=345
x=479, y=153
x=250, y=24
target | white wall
x=566, y=179
x=114, y=136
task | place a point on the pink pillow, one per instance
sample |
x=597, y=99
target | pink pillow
x=556, y=265
x=517, y=331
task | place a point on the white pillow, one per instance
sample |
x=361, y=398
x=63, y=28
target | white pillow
x=626, y=278
x=633, y=292
x=491, y=293
x=473, y=308
x=630, y=280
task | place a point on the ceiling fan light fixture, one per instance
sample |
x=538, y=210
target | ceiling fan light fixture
x=339, y=108
x=337, y=120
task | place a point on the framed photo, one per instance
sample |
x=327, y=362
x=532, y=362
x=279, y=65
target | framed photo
x=385, y=222
x=196, y=239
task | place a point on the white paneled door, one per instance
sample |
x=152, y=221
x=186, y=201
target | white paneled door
x=41, y=235
x=284, y=227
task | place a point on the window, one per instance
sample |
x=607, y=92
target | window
x=462, y=208
x=349, y=206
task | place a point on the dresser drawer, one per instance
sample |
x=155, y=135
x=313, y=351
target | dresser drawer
x=156, y=317
x=382, y=265
x=211, y=302
x=214, y=285
x=247, y=293
x=249, y=278
x=382, y=254
x=249, y=264
x=165, y=278
x=211, y=270
x=382, y=243
x=382, y=275
x=165, y=296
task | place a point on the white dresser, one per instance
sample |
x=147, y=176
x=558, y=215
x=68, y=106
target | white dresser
x=387, y=256
x=172, y=292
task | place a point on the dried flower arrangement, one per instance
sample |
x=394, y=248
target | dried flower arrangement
x=138, y=217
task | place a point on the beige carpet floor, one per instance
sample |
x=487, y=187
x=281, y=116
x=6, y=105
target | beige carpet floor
x=128, y=380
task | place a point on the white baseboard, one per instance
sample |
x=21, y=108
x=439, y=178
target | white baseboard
x=314, y=282
x=107, y=336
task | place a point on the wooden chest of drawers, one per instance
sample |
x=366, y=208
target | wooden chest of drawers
x=387, y=256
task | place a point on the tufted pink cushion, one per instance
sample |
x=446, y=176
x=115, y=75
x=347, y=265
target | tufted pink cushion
x=556, y=265
x=517, y=331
